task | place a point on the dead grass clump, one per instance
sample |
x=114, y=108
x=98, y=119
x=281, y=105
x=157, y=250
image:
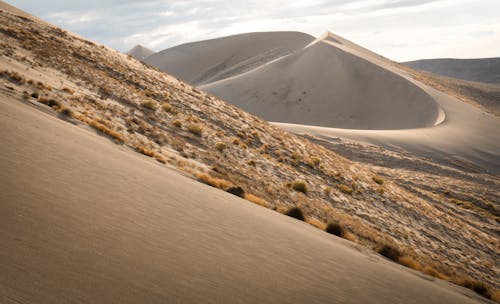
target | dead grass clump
x=314, y=162
x=345, y=189
x=177, y=124
x=144, y=150
x=195, y=129
x=470, y=283
x=316, y=223
x=299, y=186
x=66, y=111
x=256, y=200
x=378, y=180
x=335, y=229
x=296, y=213
x=390, y=251
x=409, y=262
x=166, y=107
x=151, y=105
x=214, y=182
x=220, y=146
x=102, y=128
x=50, y=102
x=434, y=273
x=13, y=76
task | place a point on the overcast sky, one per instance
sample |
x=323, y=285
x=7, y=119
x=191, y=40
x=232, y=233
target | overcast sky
x=398, y=29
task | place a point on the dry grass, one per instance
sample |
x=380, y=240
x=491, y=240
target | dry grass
x=144, y=150
x=345, y=189
x=409, y=262
x=151, y=105
x=220, y=146
x=378, y=180
x=195, y=129
x=256, y=200
x=49, y=102
x=104, y=129
x=391, y=252
x=296, y=213
x=214, y=182
x=474, y=285
x=299, y=186
x=428, y=270
x=316, y=223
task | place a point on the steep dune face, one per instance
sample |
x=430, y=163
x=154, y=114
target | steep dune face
x=485, y=70
x=140, y=52
x=325, y=85
x=78, y=226
x=211, y=60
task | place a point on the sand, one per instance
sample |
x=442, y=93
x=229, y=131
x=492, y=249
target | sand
x=211, y=60
x=85, y=221
x=140, y=52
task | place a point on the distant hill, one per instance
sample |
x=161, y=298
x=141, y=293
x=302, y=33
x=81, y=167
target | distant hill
x=480, y=70
x=140, y=52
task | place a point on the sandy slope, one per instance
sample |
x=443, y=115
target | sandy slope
x=85, y=221
x=211, y=60
x=140, y=52
x=325, y=85
x=480, y=70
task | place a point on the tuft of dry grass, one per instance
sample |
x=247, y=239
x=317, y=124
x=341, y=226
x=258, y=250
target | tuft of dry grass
x=474, y=285
x=195, y=129
x=335, y=229
x=299, y=186
x=409, y=262
x=49, y=102
x=66, y=111
x=151, y=105
x=389, y=251
x=166, y=107
x=144, y=150
x=434, y=273
x=256, y=200
x=378, y=179
x=214, y=182
x=316, y=223
x=345, y=189
x=177, y=124
x=296, y=213
x=220, y=146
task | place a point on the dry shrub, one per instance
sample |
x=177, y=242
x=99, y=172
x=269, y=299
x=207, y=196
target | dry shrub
x=296, y=213
x=316, y=223
x=256, y=200
x=214, y=182
x=299, y=186
x=434, y=273
x=102, y=128
x=144, y=150
x=474, y=285
x=160, y=159
x=409, y=262
x=345, y=189
x=335, y=229
x=49, y=102
x=151, y=105
x=195, y=129
x=378, y=180
x=177, y=124
x=166, y=107
x=66, y=111
x=391, y=252
x=220, y=146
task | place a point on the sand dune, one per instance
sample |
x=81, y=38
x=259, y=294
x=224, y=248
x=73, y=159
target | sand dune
x=480, y=70
x=326, y=85
x=77, y=225
x=211, y=60
x=140, y=52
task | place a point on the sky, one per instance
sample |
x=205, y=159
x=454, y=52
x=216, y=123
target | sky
x=401, y=30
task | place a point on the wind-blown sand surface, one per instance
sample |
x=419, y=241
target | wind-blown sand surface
x=211, y=60
x=85, y=221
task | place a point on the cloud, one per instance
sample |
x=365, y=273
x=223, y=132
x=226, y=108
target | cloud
x=398, y=29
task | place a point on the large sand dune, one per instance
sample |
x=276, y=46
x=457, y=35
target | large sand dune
x=481, y=70
x=326, y=85
x=211, y=60
x=84, y=221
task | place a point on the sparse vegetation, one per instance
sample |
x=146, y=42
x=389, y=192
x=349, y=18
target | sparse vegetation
x=299, y=186
x=390, y=251
x=214, y=182
x=143, y=150
x=378, y=180
x=256, y=200
x=335, y=229
x=166, y=107
x=151, y=105
x=345, y=189
x=49, y=102
x=296, y=213
x=195, y=129
x=220, y=146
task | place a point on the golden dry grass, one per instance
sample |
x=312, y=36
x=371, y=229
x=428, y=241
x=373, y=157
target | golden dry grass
x=256, y=200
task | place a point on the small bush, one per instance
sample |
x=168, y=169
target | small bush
x=195, y=129
x=151, y=105
x=335, y=229
x=236, y=190
x=177, y=124
x=166, y=107
x=389, y=251
x=296, y=213
x=214, y=182
x=34, y=95
x=474, y=285
x=220, y=146
x=378, y=180
x=145, y=151
x=314, y=161
x=299, y=186
x=49, y=102
x=66, y=111
x=256, y=200
x=345, y=189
